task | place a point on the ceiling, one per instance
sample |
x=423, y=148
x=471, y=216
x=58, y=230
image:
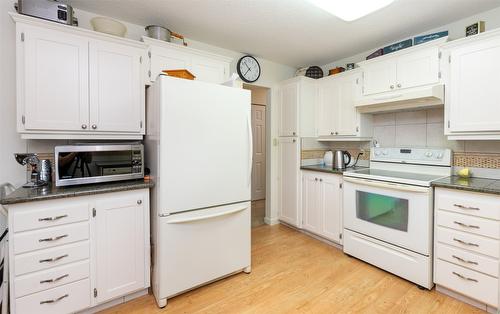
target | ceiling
x=291, y=32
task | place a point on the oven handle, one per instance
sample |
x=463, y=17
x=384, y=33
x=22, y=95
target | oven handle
x=388, y=185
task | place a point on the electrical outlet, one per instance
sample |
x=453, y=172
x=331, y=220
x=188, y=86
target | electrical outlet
x=362, y=151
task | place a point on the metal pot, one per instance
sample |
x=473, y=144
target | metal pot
x=158, y=32
x=163, y=33
x=339, y=159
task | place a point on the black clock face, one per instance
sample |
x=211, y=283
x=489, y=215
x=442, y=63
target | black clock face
x=248, y=69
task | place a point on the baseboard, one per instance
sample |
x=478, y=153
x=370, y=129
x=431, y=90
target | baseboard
x=271, y=221
x=465, y=299
x=115, y=302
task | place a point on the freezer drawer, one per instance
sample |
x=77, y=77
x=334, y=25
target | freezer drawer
x=196, y=247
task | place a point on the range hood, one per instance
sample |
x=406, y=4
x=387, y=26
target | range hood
x=427, y=96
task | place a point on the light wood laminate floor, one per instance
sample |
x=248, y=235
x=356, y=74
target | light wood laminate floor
x=294, y=273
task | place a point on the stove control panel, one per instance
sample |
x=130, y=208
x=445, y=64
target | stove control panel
x=424, y=156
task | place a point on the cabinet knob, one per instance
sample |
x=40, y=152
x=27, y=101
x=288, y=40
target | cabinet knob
x=392, y=86
x=94, y=126
x=84, y=126
x=336, y=133
x=293, y=133
x=315, y=179
x=139, y=202
x=331, y=133
x=399, y=85
x=320, y=180
x=294, y=140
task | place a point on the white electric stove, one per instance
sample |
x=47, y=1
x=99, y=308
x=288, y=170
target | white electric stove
x=388, y=210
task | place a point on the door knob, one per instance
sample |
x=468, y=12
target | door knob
x=84, y=126
x=94, y=126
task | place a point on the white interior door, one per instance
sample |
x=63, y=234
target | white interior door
x=206, y=145
x=56, y=80
x=259, y=152
x=116, y=88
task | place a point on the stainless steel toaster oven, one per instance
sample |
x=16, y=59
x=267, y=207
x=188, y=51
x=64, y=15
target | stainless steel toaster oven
x=48, y=10
x=96, y=163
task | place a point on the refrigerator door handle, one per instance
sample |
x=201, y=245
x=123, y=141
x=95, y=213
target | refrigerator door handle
x=250, y=150
x=231, y=210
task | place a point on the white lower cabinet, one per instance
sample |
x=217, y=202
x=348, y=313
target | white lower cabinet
x=322, y=204
x=467, y=244
x=68, y=255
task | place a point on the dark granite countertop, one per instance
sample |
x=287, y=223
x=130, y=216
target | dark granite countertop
x=482, y=185
x=50, y=192
x=328, y=169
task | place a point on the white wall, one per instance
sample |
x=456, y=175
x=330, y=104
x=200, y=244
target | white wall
x=456, y=30
x=10, y=141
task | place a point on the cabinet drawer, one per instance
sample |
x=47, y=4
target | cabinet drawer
x=468, y=241
x=49, y=213
x=478, y=286
x=49, y=258
x=64, y=299
x=45, y=238
x=51, y=278
x=480, y=263
x=476, y=225
x=475, y=204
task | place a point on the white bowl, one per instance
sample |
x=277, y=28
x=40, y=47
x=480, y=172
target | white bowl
x=109, y=26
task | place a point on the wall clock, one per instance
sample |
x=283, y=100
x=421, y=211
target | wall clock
x=248, y=69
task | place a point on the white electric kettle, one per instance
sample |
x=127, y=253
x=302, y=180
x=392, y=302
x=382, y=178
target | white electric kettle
x=328, y=158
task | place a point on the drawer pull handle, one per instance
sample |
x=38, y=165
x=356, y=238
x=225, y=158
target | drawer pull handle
x=53, y=239
x=54, y=259
x=465, y=225
x=54, y=300
x=52, y=218
x=463, y=277
x=55, y=279
x=466, y=207
x=464, y=261
x=465, y=243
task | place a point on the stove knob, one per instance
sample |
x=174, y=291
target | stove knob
x=385, y=153
x=439, y=156
x=377, y=153
x=428, y=154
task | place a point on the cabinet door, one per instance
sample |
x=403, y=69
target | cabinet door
x=379, y=77
x=330, y=203
x=347, y=116
x=474, y=96
x=289, y=110
x=418, y=68
x=328, y=103
x=167, y=59
x=121, y=225
x=209, y=70
x=289, y=163
x=117, y=100
x=56, y=80
x=312, y=219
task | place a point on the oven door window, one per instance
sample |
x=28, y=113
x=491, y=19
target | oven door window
x=383, y=210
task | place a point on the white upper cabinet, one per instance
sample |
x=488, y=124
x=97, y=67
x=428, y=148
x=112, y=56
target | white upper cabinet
x=117, y=100
x=297, y=102
x=73, y=83
x=409, y=68
x=379, y=77
x=337, y=115
x=53, y=83
x=207, y=67
x=473, y=93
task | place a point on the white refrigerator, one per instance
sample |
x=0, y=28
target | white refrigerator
x=199, y=150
